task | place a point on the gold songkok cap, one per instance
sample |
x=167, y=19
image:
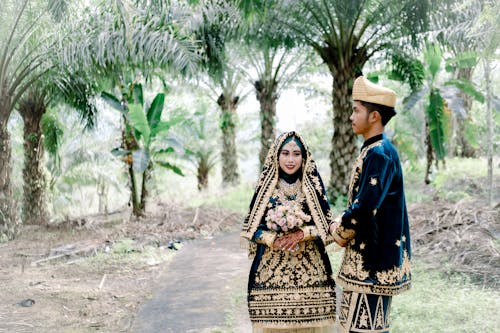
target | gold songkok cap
x=364, y=90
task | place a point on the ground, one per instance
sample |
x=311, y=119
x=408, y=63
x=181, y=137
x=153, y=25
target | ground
x=92, y=274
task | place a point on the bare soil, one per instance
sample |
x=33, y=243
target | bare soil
x=91, y=274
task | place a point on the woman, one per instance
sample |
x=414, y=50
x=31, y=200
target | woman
x=290, y=287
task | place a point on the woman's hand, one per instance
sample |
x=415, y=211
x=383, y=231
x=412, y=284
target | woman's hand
x=289, y=242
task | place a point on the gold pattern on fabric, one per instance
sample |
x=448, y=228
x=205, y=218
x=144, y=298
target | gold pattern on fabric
x=267, y=238
x=395, y=274
x=356, y=315
x=358, y=168
x=352, y=273
x=310, y=232
x=344, y=234
x=267, y=184
x=293, y=290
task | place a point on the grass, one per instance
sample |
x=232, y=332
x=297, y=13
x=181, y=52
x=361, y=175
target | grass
x=440, y=303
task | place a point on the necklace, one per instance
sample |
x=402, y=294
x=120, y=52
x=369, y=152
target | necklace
x=290, y=191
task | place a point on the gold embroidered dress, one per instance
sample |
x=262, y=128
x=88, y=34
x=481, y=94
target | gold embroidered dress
x=290, y=290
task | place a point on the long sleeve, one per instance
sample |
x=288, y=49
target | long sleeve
x=263, y=236
x=368, y=193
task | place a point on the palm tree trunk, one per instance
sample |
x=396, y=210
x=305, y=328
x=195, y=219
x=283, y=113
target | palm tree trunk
x=267, y=97
x=228, y=105
x=465, y=148
x=9, y=224
x=343, y=140
x=34, y=211
x=429, y=154
x=202, y=173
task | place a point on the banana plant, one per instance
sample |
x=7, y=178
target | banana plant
x=440, y=99
x=141, y=148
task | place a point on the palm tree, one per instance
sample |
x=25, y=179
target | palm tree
x=463, y=47
x=23, y=61
x=218, y=25
x=272, y=58
x=130, y=41
x=346, y=34
x=228, y=103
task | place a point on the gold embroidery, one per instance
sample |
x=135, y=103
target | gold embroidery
x=355, y=313
x=267, y=238
x=362, y=246
x=391, y=276
x=354, y=222
x=344, y=233
x=398, y=243
x=292, y=290
x=373, y=181
x=358, y=168
x=352, y=265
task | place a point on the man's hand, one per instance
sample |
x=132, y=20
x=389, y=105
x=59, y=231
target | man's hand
x=289, y=242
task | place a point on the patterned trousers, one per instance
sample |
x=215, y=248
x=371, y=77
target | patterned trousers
x=364, y=313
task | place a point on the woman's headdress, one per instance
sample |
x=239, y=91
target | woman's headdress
x=312, y=186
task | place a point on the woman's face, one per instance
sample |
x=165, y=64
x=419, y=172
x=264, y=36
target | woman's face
x=290, y=159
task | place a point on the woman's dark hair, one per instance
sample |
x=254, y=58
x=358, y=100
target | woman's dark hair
x=386, y=112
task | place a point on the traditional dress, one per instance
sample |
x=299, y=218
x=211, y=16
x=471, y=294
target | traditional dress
x=376, y=263
x=290, y=291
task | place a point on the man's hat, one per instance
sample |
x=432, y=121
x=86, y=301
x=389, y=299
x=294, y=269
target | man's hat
x=364, y=90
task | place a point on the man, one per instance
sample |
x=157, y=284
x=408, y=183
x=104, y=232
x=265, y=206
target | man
x=374, y=228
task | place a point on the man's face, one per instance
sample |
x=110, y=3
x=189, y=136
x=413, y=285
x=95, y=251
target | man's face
x=290, y=158
x=359, y=119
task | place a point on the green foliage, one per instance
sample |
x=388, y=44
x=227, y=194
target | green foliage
x=467, y=87
x=408, y=70
x=433, y=56
x=52, y=131
x=437, y=122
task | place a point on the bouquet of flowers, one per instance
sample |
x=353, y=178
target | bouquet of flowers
x=286, y=217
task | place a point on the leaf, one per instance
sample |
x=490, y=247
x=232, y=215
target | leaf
x=138, y=95
x=154, y=112
x=169, y=150
x=433, y=58
x=437, y=122
x=112, y=101
x=172, y=167
x=139, y=122
x=467, y=87
x=119, y=152
x=410, y=101
x=164, y=126
x=140, y=158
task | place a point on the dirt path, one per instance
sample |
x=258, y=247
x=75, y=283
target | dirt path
x=201, y=292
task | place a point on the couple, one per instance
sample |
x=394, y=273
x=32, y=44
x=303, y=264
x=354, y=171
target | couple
x=290, y=287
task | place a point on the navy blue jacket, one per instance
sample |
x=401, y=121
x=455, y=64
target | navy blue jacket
x=375, y=224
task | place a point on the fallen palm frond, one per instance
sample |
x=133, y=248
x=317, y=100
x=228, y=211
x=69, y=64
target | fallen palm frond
x=458, y=237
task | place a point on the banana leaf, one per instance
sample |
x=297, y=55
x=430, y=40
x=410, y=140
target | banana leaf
x=170, y=166
x=154, y=112
x=140, y=160
x=437, y=123
x=139, y=122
